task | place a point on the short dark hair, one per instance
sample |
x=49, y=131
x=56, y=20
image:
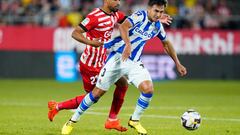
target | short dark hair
x=157, y=2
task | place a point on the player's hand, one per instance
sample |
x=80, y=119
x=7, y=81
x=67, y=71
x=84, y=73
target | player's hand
x=167, y=19
x=126, y=52
x=97, y=42
x=181, y=69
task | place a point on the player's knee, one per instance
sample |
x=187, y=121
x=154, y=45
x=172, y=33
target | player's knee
x=146, y=87
x=148, y=90
x=97, y=93
x=122, y=82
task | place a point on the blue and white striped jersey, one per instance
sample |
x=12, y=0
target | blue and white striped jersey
x=142, y=30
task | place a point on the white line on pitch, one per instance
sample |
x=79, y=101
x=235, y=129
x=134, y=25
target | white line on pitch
x=128, y=107
x=168, y=117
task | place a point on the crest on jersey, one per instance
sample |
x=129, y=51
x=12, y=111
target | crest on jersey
x=85, y=21
x=136, y=15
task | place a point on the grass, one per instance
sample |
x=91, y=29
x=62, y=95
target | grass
x=23, y=106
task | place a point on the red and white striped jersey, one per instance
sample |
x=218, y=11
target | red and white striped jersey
x=98, y=25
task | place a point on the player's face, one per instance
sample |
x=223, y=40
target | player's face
x=113, y=5
x=155, y=12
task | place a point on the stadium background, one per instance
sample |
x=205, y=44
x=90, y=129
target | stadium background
x=204, y=33
x=36, y=49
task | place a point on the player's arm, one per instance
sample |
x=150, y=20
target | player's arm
x=130, y=22
x=172, y=53
x=77, y=34
x=124, y=31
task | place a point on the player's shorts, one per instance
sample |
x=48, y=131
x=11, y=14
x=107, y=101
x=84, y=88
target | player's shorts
x=115, y=68
x=89, y=77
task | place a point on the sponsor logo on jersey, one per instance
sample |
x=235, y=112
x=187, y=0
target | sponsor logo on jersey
x=143, y=33
x=108, y=34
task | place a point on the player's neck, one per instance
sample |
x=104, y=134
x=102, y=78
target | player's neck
x=106, y=10
x=149, y=18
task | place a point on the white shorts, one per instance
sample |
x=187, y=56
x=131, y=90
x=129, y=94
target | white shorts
x=115, y=68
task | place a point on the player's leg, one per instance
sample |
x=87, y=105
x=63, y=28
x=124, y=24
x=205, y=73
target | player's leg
x=91, y=98
x=145, y=97
x=146, y=88
x=89, y=80
x=108, y=75
x=88, y=84
x=54, y=107
x=140, y=77
x=118, y=98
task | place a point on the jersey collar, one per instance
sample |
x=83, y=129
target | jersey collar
x=106, y=12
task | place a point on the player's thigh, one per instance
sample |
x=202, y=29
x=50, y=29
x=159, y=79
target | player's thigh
x=110, y=73
x=89, y=79
x=138, y=74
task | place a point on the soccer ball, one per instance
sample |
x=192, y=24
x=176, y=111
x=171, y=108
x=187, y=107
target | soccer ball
x=191, y=119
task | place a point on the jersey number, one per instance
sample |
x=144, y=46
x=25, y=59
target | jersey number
x=93, y=79
x=103, y=73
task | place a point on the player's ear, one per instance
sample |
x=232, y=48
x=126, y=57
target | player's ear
x=149, y=8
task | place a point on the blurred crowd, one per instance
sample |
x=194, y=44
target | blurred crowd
x=194, y=14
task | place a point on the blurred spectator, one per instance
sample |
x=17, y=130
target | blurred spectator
x=223, y=12
x=172, y=8
x=65, y=4
x=197, y=16
x=62, y=19
x=210, y=18
x=139, y=5
x=194, y=14
x=74, y=18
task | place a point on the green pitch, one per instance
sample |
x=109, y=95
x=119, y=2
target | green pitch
x=23, y=106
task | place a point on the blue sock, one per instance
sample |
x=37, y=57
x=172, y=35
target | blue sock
x=84, y=105
x=142, y=104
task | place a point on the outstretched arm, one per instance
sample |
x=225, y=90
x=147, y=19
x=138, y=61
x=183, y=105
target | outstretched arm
x=167, y=19
x=172, y=53
x=77, y=34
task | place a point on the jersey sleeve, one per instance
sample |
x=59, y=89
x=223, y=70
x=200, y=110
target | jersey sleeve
x=89, y=23
x=121, y=17
x=162, y=34
x=136, y=17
